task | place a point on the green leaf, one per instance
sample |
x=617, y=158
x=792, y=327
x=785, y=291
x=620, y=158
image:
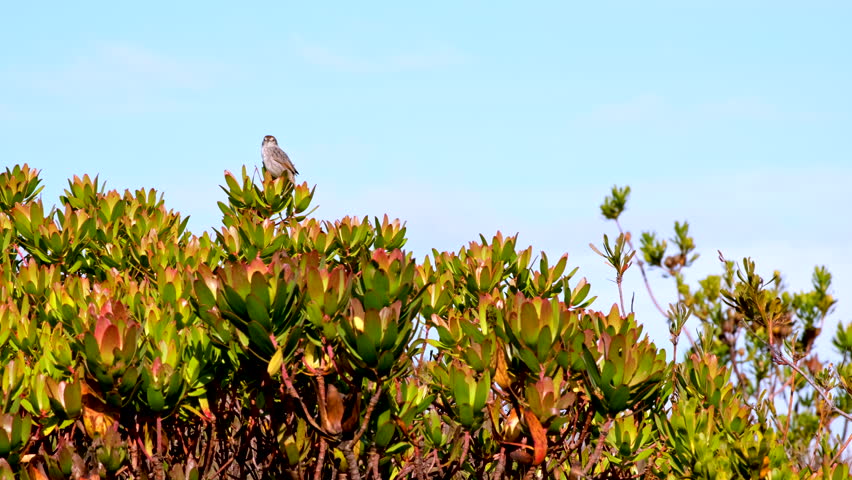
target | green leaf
x=398, y=448
x=461, y=389
x=260, y=289
x=235, y=301
x=155, y=399
x=366, y=349
x=390, y=336
x=258, y=311
x=386, y=362
x=5, y=444
x=259, y=337
x=482, y=389
x=73, y=399
x=545, y=343
x=529, y=359
x=466, y=415
x=471, y=331
x=386, y=429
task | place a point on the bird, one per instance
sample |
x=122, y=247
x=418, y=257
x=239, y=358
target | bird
x=275, y=161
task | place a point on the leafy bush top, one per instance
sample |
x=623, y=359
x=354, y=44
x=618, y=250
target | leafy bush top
x=291, y=347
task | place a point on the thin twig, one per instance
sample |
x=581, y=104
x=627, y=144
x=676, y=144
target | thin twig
x=224, y=466
x=789, y=408
x=741, y=378
x=323, y=404
x=320, y=458
x=465, y=449
x=674, y=354
x=159, y=435
x=374, y=400
x=295, y=394
x=142, y=447
x=845, y=420
x=648, y=284
x=583, y=433
x=501, y=464
x=374, y=463
x=781, y=389
x=840, y=452
x=347, y=446
x=642, y=269
x=351, y=459
x=24, y=258
x=405, y=471
x=418, y=459
x=436, y=462
x=208, y=456
x=426, y=329
x=778, y=357
x=292, y=391
x=596, y=455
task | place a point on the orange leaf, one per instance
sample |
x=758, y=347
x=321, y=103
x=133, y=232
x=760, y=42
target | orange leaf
x=539, y=437
x=333, y=409
x=37, y=473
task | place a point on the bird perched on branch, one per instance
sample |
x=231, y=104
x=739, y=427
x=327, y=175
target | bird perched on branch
x=275, y=161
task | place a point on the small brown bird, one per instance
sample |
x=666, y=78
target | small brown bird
x=275, y=161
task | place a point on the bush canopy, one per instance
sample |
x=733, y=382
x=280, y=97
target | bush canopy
x=287, y=347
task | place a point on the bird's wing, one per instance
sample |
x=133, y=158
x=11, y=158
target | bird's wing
x=287, y=162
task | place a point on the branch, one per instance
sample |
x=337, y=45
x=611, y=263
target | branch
x=293, y=393
x=596, y=455
x=501, y=464
x=618, y=280
x=374, y=400
x=405, y=471
x=208, y=456
x=351, y=460
x=789, y=408
x=465, y=448
x=374, y=463
x=822, y=394
x=648, y=284
x=779, y=358
x=642, y=269
x=840, y=452
x=418, y=459
x=320, y=459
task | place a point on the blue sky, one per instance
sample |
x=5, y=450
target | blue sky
x=464, y=118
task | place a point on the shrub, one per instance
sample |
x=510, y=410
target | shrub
x=289, y=347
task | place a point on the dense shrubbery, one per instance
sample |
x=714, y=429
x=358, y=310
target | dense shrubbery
x=288, y=347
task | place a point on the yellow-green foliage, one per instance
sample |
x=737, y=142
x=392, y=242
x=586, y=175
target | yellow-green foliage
x=286, y=347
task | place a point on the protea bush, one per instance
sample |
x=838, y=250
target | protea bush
x=287, y=347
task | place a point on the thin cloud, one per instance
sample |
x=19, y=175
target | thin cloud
x=654, y=109
x=640, y=109
x=434, y=57
x=324, y=57
x=440, y=57
x=743, y=107
x=120, y=75
x=6, y=113
x=130, y=61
